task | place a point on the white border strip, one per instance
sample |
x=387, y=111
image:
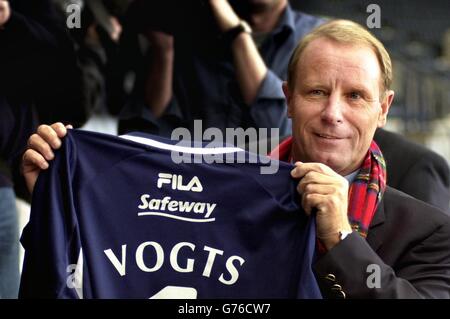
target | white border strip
x=182, y=149
x=176, y=217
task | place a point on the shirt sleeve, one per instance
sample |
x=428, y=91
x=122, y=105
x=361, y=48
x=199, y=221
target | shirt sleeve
x=49, y=239
x=269, y=109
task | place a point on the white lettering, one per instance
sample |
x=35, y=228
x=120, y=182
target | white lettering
x=185, y=206
x=194, y=184
x=167, y=204
x=119, y=265
x=232, y=270
x=164, y=178
x=210, y=209
x=140, y=256
x=199, y=208
x=174, y=257
x=154, y=204
x=157, y=256
x=173, y=206
x=164, y=202
x=211, y=257
x=144, y=204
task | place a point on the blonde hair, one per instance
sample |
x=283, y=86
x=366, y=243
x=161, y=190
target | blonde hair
x=348, y=32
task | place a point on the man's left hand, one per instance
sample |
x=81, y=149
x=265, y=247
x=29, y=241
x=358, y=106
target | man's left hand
x=325, y=190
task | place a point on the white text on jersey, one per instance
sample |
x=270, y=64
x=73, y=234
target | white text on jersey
x=177, y=182
x=189, y=265
x=156, y=205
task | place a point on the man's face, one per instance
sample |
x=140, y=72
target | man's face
x=335, y=105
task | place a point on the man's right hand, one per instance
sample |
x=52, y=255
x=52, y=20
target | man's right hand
x=40, y=151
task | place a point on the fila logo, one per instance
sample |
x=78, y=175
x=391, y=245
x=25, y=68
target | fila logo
x=177, y=182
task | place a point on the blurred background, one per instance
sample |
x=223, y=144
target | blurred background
x=417, y=35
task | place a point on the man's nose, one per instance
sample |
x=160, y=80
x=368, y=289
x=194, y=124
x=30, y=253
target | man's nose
x=332, y=112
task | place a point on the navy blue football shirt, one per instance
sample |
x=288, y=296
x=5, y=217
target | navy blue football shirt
x=116, y=217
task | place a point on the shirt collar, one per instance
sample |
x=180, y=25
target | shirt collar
x=287, y=21
x=351, y=177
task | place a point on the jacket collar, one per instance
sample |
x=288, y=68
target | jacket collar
x=286, y=22
x=376, y=229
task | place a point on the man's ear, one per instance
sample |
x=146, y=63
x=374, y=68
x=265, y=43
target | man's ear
x=287, y=94
x=385, y=105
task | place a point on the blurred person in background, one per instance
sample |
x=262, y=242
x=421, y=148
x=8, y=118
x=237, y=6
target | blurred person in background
x=39, y=81
x=415, y=169
x=96, y=46
x=219, y=61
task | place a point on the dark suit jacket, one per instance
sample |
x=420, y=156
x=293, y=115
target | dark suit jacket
x=415, y=170
x=410, y=242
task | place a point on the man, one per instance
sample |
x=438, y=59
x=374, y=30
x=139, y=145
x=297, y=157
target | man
x=341, y=97
x=374, y=241
x=226, y=69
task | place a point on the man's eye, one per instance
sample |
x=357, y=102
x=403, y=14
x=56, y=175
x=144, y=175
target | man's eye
x=317, y=92
x=354, y=95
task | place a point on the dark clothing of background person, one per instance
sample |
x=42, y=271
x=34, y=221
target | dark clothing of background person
x=96, y=45
x=17, y=123
x=38, y=72
x=37, y=60
x=415, y=169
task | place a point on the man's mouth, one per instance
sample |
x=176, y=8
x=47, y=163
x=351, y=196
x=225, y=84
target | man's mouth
x=328, y=136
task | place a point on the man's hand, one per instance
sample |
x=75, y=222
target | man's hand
x=5, y=12
x=40, y=151
x=327, y=191
x=225, y=16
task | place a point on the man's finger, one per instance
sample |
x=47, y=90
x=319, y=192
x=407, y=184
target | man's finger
x=301, y=169
x=311, y=201
x=319, y=178
x=311, y=188
x=60, y=129
x=31, y=158
x=50, y=135
x=37, y=143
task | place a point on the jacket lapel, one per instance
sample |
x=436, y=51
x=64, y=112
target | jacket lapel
x=376, y=229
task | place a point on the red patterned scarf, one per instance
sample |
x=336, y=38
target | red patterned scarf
x=366, y=190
